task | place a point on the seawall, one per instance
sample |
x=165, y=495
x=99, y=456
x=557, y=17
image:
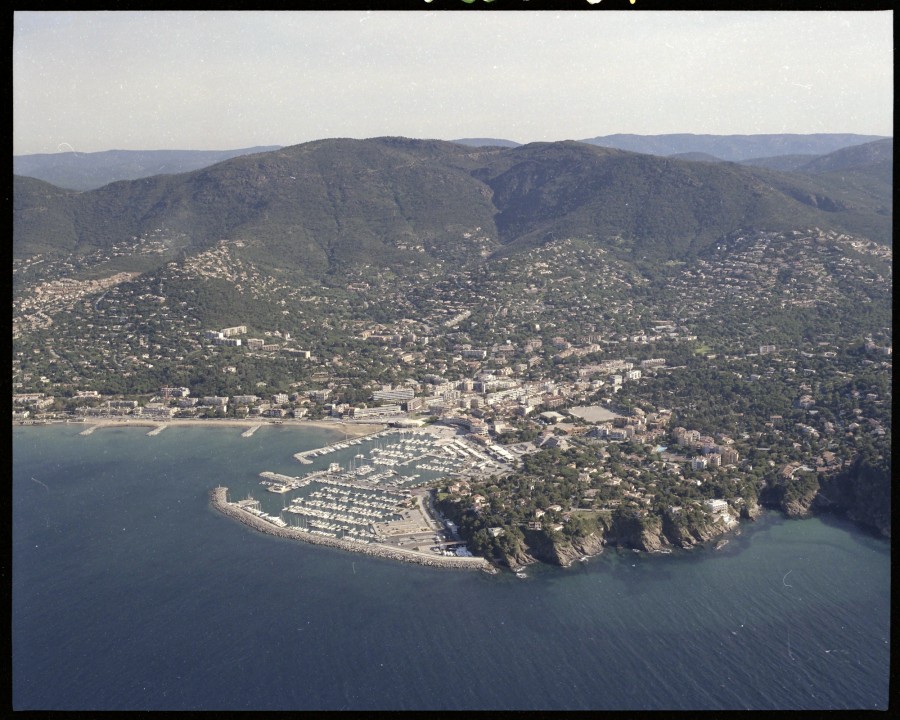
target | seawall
x=219, y=499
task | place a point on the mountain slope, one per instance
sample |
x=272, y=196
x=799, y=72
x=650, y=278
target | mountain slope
x=400, y=204
x=875, y=156
x=311, y=206
x=43, y=216
x=696, y=157
x=646, y=205
x=782, y=163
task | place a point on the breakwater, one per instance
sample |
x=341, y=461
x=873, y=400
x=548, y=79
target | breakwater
x=219, y=499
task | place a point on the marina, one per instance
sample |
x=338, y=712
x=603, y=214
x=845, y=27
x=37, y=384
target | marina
x=324, y=533
x=364, y=489
x=404, y=449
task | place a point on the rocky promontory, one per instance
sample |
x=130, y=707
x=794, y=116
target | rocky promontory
x=647, y=533
x=537, y=546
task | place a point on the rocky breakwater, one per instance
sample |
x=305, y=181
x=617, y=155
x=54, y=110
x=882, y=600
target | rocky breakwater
x=219, y=499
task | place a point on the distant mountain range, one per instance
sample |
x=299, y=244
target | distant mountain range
x=397, y=203
x=734, y=148
x=486, y=142
x=87, y=171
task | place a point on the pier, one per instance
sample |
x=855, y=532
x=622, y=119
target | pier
x=283, y=483
x=304, y=456
x=249, y=431
x=157, y=430
x=89, y=430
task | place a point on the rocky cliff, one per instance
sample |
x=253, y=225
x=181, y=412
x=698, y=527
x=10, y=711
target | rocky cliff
x=792, y=495
x=590, y=545
x=862, y=495
x=555, y=549
x=652, y=533
x=750, y=510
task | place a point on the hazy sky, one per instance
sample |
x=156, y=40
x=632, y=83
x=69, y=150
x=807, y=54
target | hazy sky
x=90, y=81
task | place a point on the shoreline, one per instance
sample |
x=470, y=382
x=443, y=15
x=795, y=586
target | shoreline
x=218, y=499
x=350, y=429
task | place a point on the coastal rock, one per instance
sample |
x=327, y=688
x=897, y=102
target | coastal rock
x=860, y=492
x=708, y=531
x=628, y=531
x=687, y=534
x=678, y=534
x=589, y=545
x=566, y=554
x=551, y=550
x=750, y=510
x=798, y=508
x=793, y=493
x=518, y=560
x=651, y=539
x=555, y=550
x=639, y=533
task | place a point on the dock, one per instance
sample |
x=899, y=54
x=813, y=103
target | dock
x=282, y=483
x=88, y=430
x=249, y=431
x=157, y=430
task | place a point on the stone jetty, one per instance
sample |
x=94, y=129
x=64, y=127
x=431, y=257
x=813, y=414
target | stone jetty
x=219, y=499
x=249, y=431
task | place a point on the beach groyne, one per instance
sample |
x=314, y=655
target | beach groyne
x=219, y=499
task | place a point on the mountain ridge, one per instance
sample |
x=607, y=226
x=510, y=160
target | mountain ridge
x=403, y=203
x=734, y=148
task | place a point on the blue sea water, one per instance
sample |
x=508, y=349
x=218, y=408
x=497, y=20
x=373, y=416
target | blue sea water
x=130, y=592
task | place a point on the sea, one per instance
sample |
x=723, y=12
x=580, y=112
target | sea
x=129, y=592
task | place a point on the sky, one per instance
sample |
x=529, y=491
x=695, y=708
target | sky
x=99, y=80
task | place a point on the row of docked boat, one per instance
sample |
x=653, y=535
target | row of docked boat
x=274, y=519
x=310, y=521
x=278, y=483
x=304, y=456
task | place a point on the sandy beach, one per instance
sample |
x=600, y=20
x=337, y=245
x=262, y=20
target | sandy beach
x=349, y=429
